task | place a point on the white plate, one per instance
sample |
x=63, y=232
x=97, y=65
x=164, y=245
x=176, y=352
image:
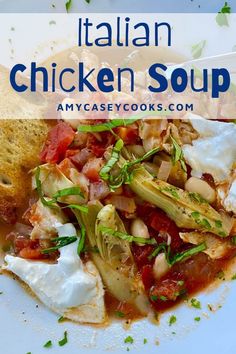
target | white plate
x=27, y=325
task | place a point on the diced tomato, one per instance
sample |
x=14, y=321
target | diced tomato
x=58, y=140
x=26, y=248
x=31, y=253
x=99, y=147
x=169, y=289
x=92, y=168
x=141, y=254
x=209, y=179
x=160, y=222
x=147, y=276
x=129, y=135
x=71, y=152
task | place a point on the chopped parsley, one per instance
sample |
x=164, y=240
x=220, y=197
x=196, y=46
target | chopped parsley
x=68, y=5
x=218, y=223
x=222, y=16
x=173, y=191
x=48, y=344
x=129, y=340
x=64, y=340
x=119, y=314
x=145, y=341
x=210, y=307
x=197, y=319
x=220, y=275
x=177, y=154
x=233, y=277
x=197, y=49
x=154, y=297
x=172, y=320
x=196, y=197
x=233, y=240
x=196, y=303
x=61, y=319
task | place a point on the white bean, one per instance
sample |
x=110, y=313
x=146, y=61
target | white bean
x=160, y=266
x=139, y=229
x=197, y=185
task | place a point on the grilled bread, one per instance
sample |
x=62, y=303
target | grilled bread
x=20, y=143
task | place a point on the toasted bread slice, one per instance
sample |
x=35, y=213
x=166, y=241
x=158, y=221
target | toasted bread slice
x=20, y=143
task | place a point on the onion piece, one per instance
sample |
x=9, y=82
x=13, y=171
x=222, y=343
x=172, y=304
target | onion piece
x=98, y=190
x=123, y=203
x=164, y=170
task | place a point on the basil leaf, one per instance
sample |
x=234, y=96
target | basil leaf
x=68, y=191
x=188, y=253
x=125, y=175
x=81, y=240
x=115, y=155
x=177, y=154
x=119, y=122
x=68, y=5
x=171, y=260
x=60, y=242
x=162, y=247
x=127, y=237
x=61, y=193
x=222, y=16
x=82, y=208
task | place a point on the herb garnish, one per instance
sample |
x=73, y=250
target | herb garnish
x=115, y=155
x=233, y=240
x=171, y=260
x=145, y=341
x=197, y=319
x=196, y=303
x=125, y=175
x=222, y=16
x=81, y=240
x=177, y=154
x=197, y=49
x=126, y=237
x=119, y=314
x=61, y=319
x=60, y=242
x=61, y=193
x=129, y=339
x=172, y=320
x=116, y=122
x=48, y=344
x=68, y=5
x=233, y=277
x=64, y=340
x=196, y=197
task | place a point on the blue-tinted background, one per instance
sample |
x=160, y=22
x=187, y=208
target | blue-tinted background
x=116, y=5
